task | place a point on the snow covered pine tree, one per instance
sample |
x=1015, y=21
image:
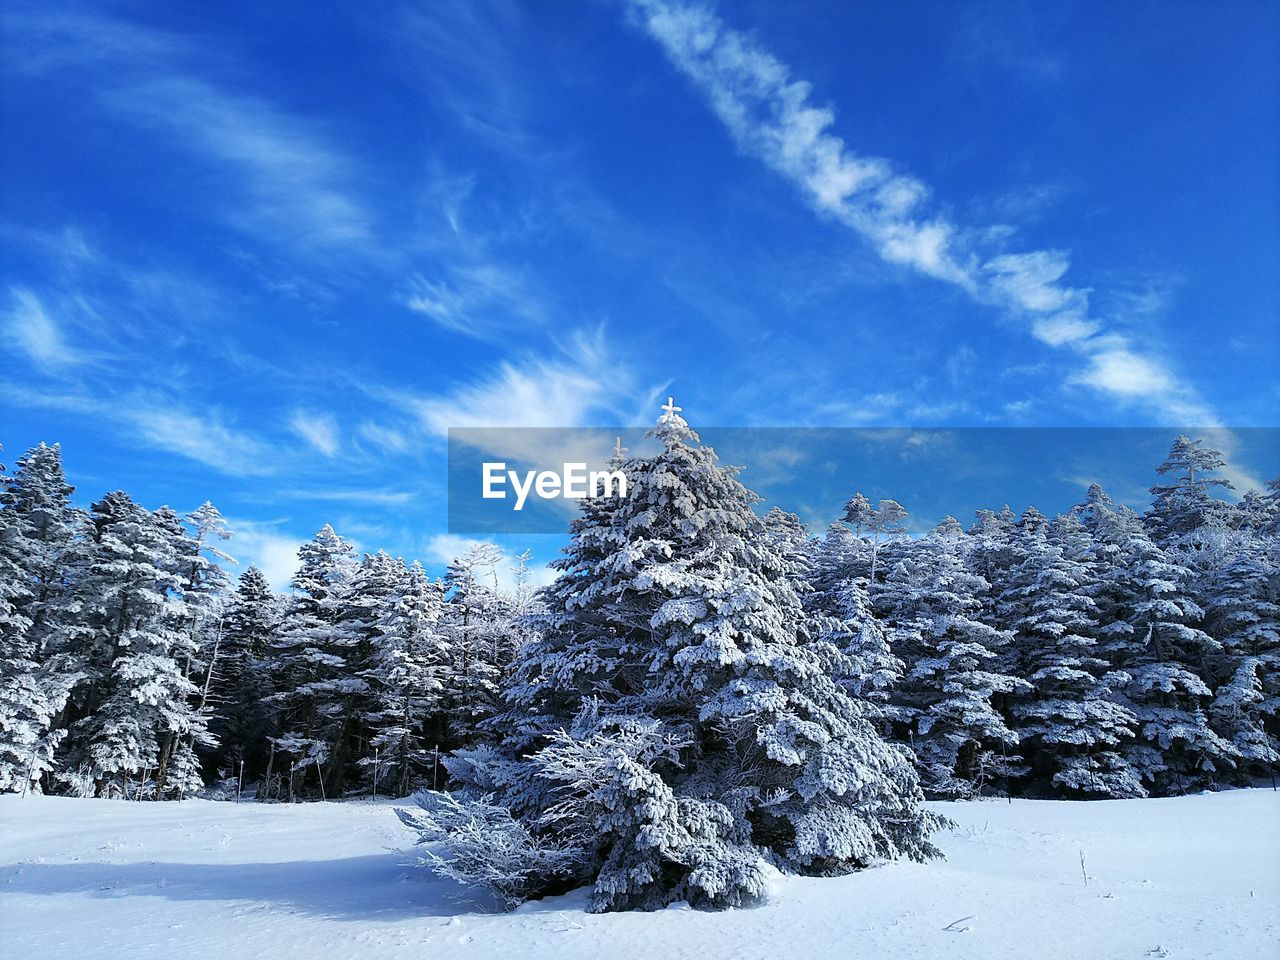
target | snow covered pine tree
x=37, y=527
x=673, y=731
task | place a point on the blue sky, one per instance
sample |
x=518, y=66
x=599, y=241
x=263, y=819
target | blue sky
x=267, y=256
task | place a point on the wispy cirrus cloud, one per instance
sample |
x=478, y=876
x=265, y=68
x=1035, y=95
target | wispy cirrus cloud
x=320, y=430
x=158, y=421
x=290, y=183
x=561, y=390
x=36, y=334
x=772, y=116
x=295, y=186
x=388, y=498
x=480, y=299
x=202, y=437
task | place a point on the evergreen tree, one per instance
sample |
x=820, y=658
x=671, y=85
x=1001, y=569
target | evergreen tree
x=1069, y=727
x=135, y=694
x=949, y=698
x=241, y=686
x=37, y=538
x=990, y=550
x=1148, y=632
x=206, y=592
x=199, y=594
x=673, y=725
x=312, y=673
x=405, y=674
x=25, y=715
x=1185, y=502
x=1243, y=616
x=868, y=670
x=882, y=523
x=478, y=622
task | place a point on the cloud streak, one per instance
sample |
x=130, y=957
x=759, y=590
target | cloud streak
x=544, y=392
x=320, y=430
x=35, y=333
x=292, y=185
x=772, y=116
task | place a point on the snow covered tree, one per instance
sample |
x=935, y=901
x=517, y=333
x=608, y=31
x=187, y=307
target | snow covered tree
x=200, y=595
x=990, y=550
x=313, y=676
x=1148, y=631
x=369, y=594
x=37, y=538
x=950, y=696
x=241, y=685
x=672, y=729
x=1069, y=727
x=1185, y=502
x=132, y=649
x=1243, y=616
x=882, y=523
x=478, y=620
x=206, y=591
x=405, y=676
x=25, y=711
x=868, y=669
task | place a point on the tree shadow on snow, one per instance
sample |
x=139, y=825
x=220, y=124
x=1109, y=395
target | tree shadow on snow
x=375, y=887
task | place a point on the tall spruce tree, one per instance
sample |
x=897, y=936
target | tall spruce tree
x=38, y=530
x=406, y=673
x=950, y=697
x=1069, y=727
x=1185, y=502
x=1243, y=617
x=312, y=675
x=135, y=695
x=241, y=683
x=1147, y=631
x=673, y=727
x=478, y=622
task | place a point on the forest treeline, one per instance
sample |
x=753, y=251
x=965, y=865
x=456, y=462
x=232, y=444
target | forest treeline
x=1098, y=653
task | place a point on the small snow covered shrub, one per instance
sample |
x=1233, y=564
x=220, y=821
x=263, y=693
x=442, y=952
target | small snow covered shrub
x=481, y=844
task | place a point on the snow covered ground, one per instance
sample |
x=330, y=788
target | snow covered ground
x=1194, y=877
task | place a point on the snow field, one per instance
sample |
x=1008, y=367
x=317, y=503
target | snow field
x=1193, y=877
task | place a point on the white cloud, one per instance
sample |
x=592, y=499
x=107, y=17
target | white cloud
x=376, y=497
x=36, y=334
x=478, y=299
x=295, y=185
x=557, y=392
x=263, y=546
x=318, y=429
x=386, y=439
x=1064, y=328
x=200, y=438
x=1119, y=370
x=771, y=116
x=539, y=394
x=1030, y=280
x=1115, y=367
x=292, y=184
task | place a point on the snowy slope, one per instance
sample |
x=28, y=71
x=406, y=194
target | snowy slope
x=1194, y=877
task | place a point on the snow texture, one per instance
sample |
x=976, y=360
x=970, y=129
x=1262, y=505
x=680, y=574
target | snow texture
x=1185, y=877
